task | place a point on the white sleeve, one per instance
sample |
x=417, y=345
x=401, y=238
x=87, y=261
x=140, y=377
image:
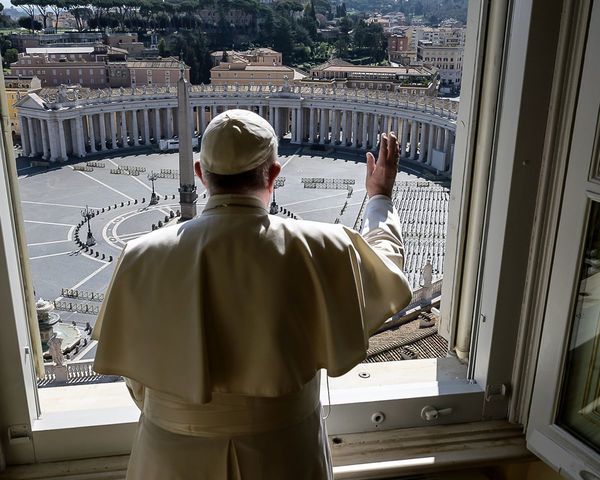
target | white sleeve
x=381, y=229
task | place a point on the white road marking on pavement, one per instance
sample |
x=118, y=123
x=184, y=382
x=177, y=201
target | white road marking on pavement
x=316, y=199
x=130, y=236
x=51, y=255
x=101, y=183
x=326, y=208
x=50, y=223
x=291, y=158
x=89, y=277
x=136, y=179
x=47, y=243
x=56, y=204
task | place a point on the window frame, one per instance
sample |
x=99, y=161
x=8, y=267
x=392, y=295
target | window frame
x=52, y=436
x=574, y=152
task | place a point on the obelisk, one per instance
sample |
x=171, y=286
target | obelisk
x=187, y=185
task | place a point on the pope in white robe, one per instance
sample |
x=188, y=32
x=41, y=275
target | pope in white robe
x=221, y=324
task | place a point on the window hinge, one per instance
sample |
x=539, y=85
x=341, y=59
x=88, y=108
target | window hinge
x=18, y=434
x=497, y=391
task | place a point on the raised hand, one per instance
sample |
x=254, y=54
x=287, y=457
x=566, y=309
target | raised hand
x=381, y=173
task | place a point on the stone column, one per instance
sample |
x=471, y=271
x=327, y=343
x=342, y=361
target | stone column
x=102, y=122
x=45, y=145
x=175, y=122
x=124, y=139
x=414, y=133
x=404, y=138
x=24, y=129
x=447, y=150
x=134, y=128
x=157, y=129
x=31, y=137
x=386, y=124
x=113, y=130
x=299, y=125
x=432, y=134
x=277, y=122
x=170, y=122
x=344, y=128
x=322, y=126
x=440, y=138
x=61, y=141
x=423, y=142
x=375, y=130
x=146, y=126
x=81, y=132
x=335, y=129
x=202, y=120
x=53, y=134
x=395, y=125
x=311, y=128
x=92, y=133
x=294, y=127
x=78, y=141
x=365, y=130
x=354, y=129
x=37, y=125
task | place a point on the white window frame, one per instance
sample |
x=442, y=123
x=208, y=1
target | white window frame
x=568, y=192
x=95, y=430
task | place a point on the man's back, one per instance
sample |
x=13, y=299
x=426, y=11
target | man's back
x=254, y=304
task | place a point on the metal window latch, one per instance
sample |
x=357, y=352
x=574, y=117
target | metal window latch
x=429, y=413
x=18, y=434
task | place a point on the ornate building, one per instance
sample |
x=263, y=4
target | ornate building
x=58, y=124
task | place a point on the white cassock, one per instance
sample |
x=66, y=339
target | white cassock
x=221, y=324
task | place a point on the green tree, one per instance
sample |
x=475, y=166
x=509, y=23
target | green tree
x=370, y=40
x=10, y=56
x=162, y=47
x=57, y=7
x=29, y=23
x=282, y=38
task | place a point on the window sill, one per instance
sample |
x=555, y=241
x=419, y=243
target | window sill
x=85, y=421
x=359, y=456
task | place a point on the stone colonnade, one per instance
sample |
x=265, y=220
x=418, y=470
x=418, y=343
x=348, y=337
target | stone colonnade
x=59, y=134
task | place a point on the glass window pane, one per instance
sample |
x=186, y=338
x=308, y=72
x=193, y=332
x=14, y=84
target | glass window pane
x=579, y=411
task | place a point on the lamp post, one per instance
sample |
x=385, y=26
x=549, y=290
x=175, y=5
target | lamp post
x=279, y=182
x=152, y=176
x=86, y=214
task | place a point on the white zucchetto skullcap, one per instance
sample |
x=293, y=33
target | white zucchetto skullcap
x=236, y=141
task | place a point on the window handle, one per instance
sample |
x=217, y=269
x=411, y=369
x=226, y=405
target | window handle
x=429, y=413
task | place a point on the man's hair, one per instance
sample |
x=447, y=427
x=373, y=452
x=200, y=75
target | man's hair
x=252, y=180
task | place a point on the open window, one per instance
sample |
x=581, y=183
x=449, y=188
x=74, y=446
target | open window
x=564, y=417
x=508, y=73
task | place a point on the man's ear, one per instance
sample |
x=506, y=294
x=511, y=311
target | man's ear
x=198, y=171
x=274, y=171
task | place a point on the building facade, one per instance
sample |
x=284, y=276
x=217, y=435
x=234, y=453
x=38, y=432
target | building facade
x=399, y=50
x=421, y=81
x=22, y=41
x=58, y=124
x=248, y=74
x=17, y=87
x=97, y=66
x=447, y=60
